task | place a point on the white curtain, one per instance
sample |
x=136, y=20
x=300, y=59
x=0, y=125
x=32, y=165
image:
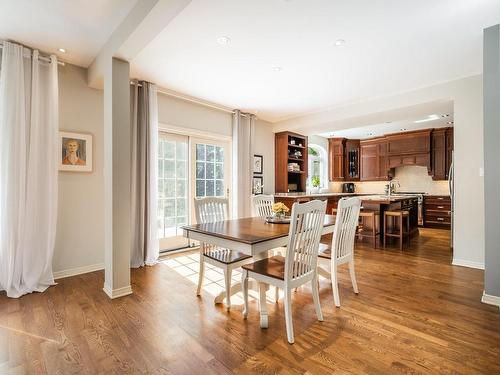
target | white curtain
x=242, y=153
x=29, y=126
x=144, y=180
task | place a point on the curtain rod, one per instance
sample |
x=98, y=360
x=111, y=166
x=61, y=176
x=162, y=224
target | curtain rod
x=193, y=100
x=43, y=58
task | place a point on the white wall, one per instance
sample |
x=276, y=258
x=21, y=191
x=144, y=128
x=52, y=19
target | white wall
x=264, y=145
x=80, y=224
x=467, y=96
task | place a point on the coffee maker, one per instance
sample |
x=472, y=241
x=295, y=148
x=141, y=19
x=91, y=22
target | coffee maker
x=348, y=187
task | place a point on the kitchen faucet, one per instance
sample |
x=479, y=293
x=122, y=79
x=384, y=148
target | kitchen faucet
x=391, y=187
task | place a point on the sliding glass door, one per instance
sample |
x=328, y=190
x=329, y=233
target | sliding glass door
x=187, y=167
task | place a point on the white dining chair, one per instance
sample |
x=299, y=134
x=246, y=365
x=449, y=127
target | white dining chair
x=263, y=205
x=298, y=267
x=342, y=246
x=209, y=210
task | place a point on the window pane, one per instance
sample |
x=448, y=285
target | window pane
x=210, y=188
x=219, y=154
x=181, y=207
x=181, y=151
x=181, y=167
x=160, y=168
x=169, y=150
x=169, y=168
x=210, y=171
x=169, y=208
x=200, y=188
x=200, y=152
x=210, y=153
x=181, y=188
x=161, y=194
x=181, y=220
x=169, y=188
x=200, y=170
x=219, y=171
x=219, y=188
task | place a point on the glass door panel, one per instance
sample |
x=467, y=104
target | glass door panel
x=173, y=190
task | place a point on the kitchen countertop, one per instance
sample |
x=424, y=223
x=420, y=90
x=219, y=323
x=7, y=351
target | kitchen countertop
x=365, y=196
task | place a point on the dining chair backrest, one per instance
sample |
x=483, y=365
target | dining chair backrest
x=344, y=231
x=306, y=226
x=263, y=205
x=211, y=209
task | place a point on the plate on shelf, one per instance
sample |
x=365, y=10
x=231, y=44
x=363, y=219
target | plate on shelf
x=273, y=220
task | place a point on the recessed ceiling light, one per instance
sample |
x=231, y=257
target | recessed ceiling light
x=403, y=129
x=429, y=118
x=339, y=43
x=446, y=115
x=388, y=122
x=277, y=69
x=223, y=40
x=62, y=50
x=369, y=134
x=450, y=122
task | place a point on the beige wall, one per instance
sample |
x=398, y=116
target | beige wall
x=80, y=224
x=264, y=145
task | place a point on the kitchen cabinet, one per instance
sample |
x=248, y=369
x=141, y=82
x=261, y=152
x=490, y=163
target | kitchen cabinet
x=336, y=148
x=449, y=150
x=439, y=154
x=374, y=165
x=351, y=159
x=290, y=162
x=437, y=211
x=410, y=148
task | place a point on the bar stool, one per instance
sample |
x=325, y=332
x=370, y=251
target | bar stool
x=372, y=216
x=397, y=214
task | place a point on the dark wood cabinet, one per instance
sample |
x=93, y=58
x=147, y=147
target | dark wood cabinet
x=336, y=148
x=351, y=160
x=439, y=154
x=290, y=162
x=374, y=165
x=410, y=148
x=437, y=211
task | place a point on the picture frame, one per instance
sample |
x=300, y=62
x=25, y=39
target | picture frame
x=258, y=164
x=258, y=185
x=75, y=152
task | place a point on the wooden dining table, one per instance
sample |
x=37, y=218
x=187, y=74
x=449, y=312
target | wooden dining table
x=252, y=236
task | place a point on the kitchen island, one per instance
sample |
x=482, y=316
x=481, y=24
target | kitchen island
x=376, y=202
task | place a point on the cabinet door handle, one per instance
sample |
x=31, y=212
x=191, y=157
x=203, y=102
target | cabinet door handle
x=440, y=198
x=440, y=219
x=440, y=206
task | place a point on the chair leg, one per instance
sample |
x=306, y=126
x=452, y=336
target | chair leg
x=374, y=231
x=288, y=315
x=244, y=286
x=408, y=230
x=353, y=276
x=315, y=293
x=264, y=322
x=201, y=274
x=335, y=286
x=227, y=277
x=401, y=233
x=384, y=240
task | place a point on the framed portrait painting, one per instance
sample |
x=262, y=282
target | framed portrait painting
x=75, y=152
x=258, y=185
x=257, y=164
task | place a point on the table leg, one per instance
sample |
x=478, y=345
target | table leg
x=264, y=321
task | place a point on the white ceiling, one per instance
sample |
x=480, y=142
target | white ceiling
x=392, y=46
x=80, y=26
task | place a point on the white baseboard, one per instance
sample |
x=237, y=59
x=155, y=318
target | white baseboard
x=117, y=293
x=467, y=263
x=491, y=300
x=78, y=271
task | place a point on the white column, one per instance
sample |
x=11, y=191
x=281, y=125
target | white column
x=117, y=156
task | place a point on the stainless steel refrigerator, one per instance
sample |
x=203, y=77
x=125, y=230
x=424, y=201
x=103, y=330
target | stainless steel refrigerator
x=452, y=195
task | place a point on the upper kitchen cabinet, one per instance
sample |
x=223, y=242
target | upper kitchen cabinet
x=410, y=148
x=442, y=152
x=336, y=147
x=290, y=162
x=373, y=166
x=344, y=155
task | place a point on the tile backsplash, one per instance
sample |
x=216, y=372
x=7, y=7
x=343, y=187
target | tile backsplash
x=411, y=179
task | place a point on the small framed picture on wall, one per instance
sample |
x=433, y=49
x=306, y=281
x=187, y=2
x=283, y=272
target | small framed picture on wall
x=258, y=161
x=75, y=152
x=258, y=185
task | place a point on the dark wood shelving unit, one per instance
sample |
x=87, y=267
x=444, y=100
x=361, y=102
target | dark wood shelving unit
x=286, y=180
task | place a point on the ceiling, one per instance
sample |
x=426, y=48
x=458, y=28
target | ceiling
x=80, y=26
x=391, y=46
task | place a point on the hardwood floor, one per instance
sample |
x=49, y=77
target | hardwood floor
x=415, y=314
